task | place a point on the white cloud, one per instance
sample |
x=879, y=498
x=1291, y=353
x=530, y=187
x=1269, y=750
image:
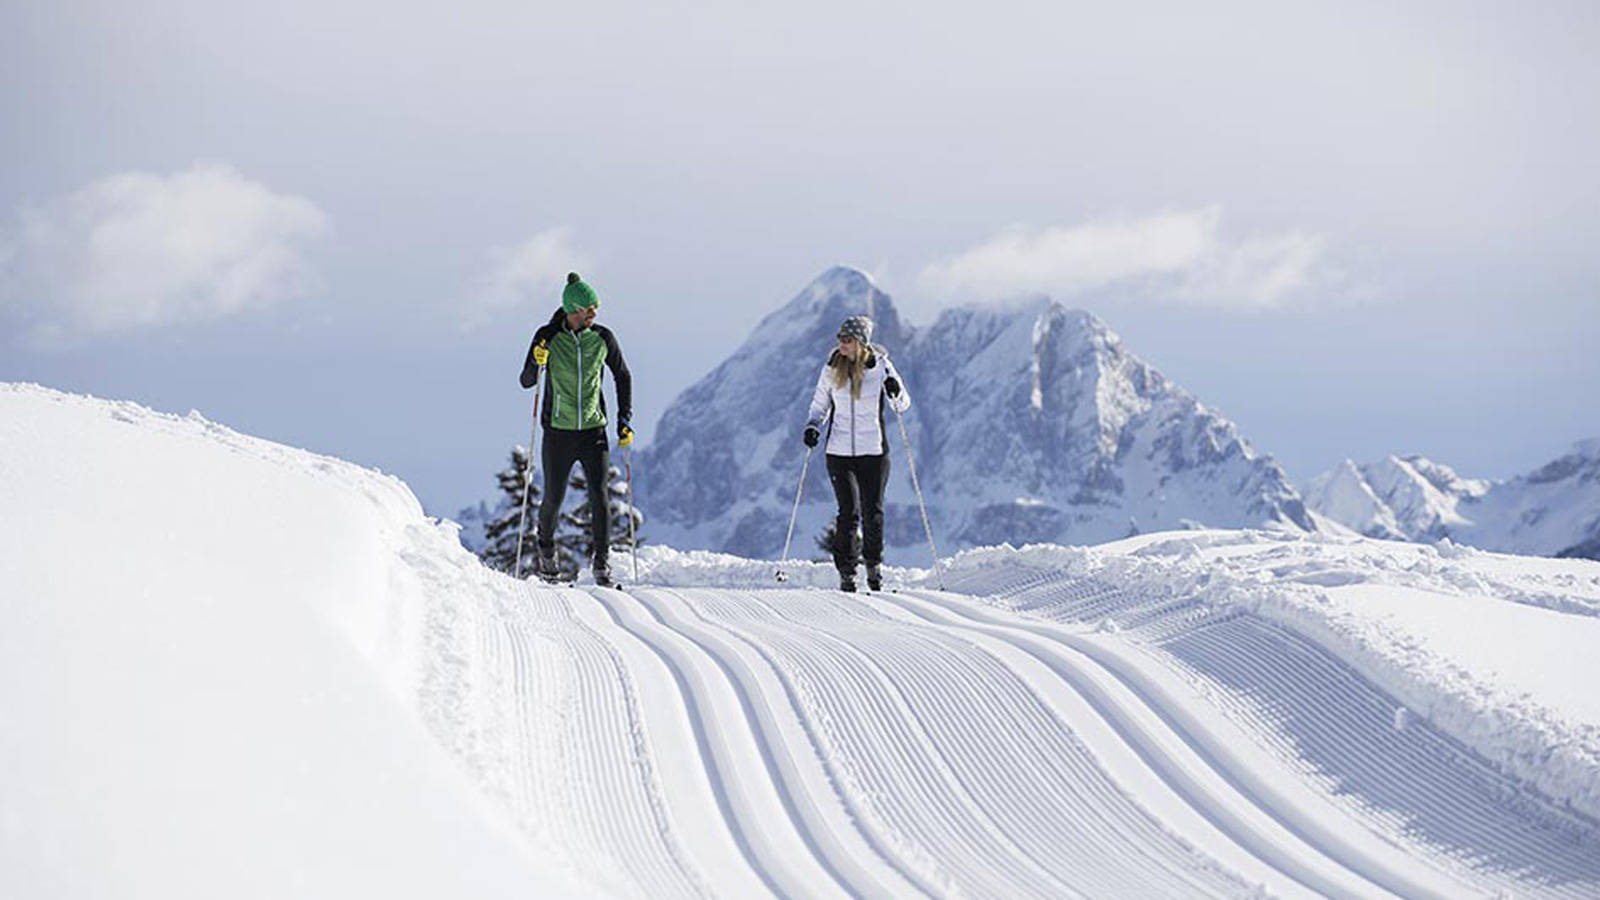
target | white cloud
x=525, y=278
x=1173, y=256
x=138, y=250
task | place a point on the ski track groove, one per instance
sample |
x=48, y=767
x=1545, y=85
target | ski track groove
x=940, y=789
x=1478, y=817
x=1005, y=690
x=1116, y=878
x=720, y=764
x=614, y=770
x=845, y=711
x=900, y=745
x=1322, y=720
x=1309, y=853
x=1024, y=707
x=932, y=793
x=783, y=763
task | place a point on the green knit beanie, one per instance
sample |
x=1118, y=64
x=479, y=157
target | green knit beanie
x=577, y=294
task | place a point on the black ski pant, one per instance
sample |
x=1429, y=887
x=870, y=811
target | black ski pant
x=589, y=449
x=858, y=483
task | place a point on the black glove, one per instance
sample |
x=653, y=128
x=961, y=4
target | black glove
x=812, y=434
x=891, y=386
x=624, y=433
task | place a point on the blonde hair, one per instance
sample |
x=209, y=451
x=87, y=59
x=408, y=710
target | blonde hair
x=851, y=370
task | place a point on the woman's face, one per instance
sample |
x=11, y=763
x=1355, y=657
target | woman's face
x=849, y=346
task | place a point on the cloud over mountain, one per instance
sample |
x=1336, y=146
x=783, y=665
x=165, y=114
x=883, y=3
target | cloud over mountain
x=1182, y=257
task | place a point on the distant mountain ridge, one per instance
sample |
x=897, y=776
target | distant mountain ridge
x=1399, y=498
x=1030, y=424
x=1552, y=511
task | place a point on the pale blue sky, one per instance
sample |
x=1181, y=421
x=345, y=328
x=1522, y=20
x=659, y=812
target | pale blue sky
x=1354, y=228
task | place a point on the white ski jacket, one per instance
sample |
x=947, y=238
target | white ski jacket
x=857, y=421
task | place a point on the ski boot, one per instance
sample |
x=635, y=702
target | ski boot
x=602, y=573
x=847, y=581
x=549, y=568
x=874, y=577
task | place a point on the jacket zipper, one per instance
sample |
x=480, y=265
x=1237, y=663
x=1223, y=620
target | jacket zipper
x=580, y=379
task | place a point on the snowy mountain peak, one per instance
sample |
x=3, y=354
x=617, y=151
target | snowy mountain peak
x=1550, y=511
x=1343, y=494
x=814, y=314
x=1076, y=332
x=1029, y=423
x=843, y=290
x=1397, y=497
x=1580, y=465
x=1080, y=364
x=843, y=280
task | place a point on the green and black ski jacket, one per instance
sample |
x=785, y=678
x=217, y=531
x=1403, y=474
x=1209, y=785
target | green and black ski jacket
x=572, y=397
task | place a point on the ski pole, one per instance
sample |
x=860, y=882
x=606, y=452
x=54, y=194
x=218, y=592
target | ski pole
x=633, y=541
x=527, y=476
x=912, y=463
x=790, y=536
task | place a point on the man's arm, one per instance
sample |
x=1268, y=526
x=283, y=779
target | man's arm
x=530, y=367
x=621, y=375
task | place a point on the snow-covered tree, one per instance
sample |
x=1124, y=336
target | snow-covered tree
x=825, y=541
x=500, y=532
x=576, y=535
x=573, y=542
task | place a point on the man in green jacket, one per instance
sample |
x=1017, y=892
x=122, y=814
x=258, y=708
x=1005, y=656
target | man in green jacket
x=573, y=350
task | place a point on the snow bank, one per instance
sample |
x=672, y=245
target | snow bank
x=204, y=671
x=1497, y=651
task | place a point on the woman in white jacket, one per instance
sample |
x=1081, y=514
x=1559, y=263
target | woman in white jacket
x=855, y=383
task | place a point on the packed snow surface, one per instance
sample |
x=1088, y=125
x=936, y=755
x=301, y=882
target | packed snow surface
x=228, y=667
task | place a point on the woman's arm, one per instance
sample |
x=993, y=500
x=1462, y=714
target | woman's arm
x=901, y=400
x=821, y=401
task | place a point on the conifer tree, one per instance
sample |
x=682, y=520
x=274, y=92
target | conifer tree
x=575, y=537
x=572, y=526
x=500, y=545
x=825, y=540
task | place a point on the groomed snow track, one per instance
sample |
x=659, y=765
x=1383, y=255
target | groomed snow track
x=812, y=744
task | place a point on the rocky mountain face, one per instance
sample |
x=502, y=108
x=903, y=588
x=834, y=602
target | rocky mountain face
x=1409, y=498
x=1553, y=511
x=1028, y=424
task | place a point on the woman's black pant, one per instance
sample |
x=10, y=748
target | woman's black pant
x=858, y=483
x=589, y=449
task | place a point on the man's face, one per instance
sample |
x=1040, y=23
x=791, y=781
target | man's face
x=583, y=318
